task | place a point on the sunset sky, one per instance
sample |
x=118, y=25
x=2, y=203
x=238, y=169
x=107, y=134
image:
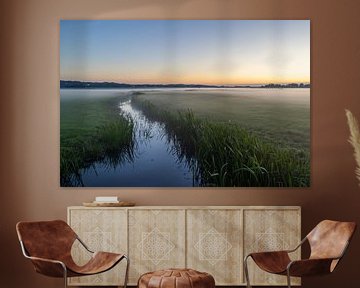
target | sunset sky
x=185, y=51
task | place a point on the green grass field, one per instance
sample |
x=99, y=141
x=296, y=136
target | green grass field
x=281, y=121
x=92, y=130
x=226, y=140
x=227, y=152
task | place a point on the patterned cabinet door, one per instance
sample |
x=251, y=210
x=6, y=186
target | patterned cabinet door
x=101, y=230
x=269, y=230
x=156, y=240
x=214, y=244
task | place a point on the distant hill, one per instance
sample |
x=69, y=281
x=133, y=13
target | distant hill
x=95, y=85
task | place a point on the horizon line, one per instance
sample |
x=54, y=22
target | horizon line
x=247, y=84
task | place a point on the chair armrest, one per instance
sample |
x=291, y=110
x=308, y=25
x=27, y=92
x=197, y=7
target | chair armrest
x=298, y=246
x=309, y=267
x=83, y=244
x=48, y=267
x=279, y=251
x=45, y=260
x=268, y=253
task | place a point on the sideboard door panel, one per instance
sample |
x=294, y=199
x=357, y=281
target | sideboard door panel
x=214, y=244
x=101, y=230
x=270, y=230
x=156, y=240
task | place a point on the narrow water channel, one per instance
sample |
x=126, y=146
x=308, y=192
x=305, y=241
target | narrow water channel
x=154, y=165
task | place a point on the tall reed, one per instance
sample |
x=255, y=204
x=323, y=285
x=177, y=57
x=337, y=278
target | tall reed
x=112, y=143
x=225, y=155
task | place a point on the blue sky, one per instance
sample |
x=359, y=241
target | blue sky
x=185, y=51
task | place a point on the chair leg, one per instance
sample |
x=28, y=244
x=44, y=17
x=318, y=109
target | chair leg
x=288, y=278
x=246, y=270
x=65, y=276
x=126, y=271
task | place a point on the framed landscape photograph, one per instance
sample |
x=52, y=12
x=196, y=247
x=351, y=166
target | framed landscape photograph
x=185, y=103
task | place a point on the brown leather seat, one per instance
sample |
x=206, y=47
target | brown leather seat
x=328, y=242
x=176, y=278
x=48, y=245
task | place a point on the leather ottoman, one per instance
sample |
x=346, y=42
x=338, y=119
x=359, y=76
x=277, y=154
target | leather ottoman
x=176, y=278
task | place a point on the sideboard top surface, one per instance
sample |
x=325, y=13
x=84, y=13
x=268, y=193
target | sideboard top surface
x=193, y=207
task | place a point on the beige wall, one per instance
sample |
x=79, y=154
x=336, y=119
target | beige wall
x=29, y=119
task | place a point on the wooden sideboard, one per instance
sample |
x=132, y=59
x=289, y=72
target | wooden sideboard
x=212, y=239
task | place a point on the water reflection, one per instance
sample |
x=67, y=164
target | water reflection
x=155, y=162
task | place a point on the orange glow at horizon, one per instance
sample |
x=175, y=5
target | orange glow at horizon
x=206, y=80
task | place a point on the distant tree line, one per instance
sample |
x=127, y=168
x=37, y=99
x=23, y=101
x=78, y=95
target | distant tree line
x=83, y=84
x=290, y=85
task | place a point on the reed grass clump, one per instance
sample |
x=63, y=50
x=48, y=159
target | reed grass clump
x=226, y=155
x=111, y=143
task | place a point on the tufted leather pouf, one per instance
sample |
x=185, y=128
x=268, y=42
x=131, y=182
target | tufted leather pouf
x=176, y=278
